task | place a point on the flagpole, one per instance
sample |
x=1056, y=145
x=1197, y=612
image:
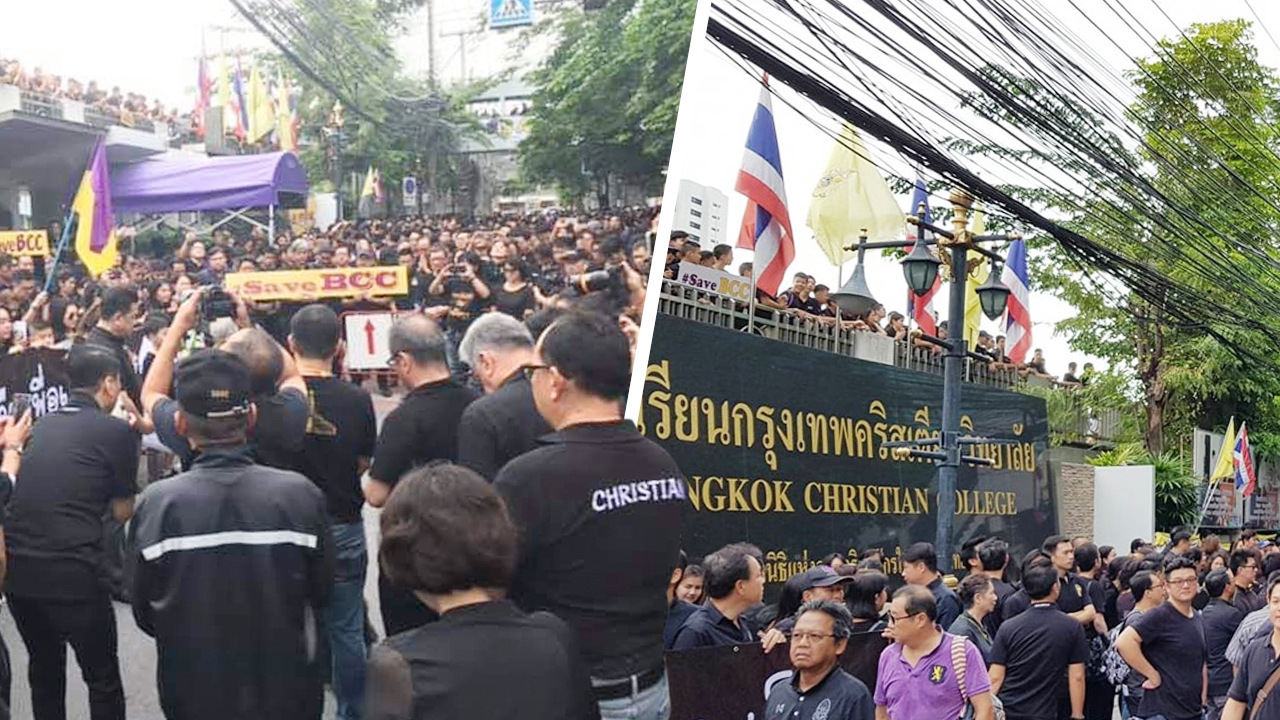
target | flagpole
x=50, y=273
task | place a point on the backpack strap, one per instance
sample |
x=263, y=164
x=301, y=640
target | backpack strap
x=959, y=661
x=1264, y=693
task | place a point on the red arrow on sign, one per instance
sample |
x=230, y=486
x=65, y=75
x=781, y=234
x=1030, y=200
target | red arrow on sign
x=368, y=334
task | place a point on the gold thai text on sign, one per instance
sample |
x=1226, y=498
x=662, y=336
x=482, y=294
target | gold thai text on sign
x=320, y=283
x=16, y=243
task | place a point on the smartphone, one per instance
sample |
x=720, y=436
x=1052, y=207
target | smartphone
x=20, y=331
x=21, y=404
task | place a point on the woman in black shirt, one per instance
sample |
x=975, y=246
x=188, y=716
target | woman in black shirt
x=516, y=296
x=447, y=536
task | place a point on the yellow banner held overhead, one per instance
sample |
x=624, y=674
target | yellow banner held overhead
x=19, y=243
x=320, y=283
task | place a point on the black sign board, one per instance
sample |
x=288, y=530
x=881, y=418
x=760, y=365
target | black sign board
x=40, y=373
x=783, y=447
x=732, y=682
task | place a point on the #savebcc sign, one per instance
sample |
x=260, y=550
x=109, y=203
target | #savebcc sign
x=322, y=283
x=16, y=243
x=716, y=281
x=784, y=447
x=41, y=374
x=732, y=682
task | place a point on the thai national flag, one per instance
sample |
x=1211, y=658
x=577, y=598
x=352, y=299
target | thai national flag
x=1246, y=477
x=1018, y=315
x=766, y=226
x=920, y=307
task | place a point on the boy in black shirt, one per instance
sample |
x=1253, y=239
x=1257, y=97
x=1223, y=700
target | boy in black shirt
x=1166, y=644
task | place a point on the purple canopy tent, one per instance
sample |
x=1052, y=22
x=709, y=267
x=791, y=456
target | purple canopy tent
x=233, y=184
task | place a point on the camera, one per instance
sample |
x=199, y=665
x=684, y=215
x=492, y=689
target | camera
x=457, y=269
x=609, y=278
x=217, y=303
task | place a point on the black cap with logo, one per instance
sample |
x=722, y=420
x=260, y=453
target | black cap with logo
x=213, y=384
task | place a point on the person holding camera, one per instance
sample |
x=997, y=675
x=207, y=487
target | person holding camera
x=279, y=391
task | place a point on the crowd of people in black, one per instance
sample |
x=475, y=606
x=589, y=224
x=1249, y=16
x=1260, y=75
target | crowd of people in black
x=1071, y=630
x=508, y=480
x=808, y=301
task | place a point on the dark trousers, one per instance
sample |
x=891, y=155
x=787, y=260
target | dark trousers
x=89, y=626
x=1099, y=700
x=401, y=609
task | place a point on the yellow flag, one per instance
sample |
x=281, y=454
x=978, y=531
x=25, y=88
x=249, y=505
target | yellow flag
x=262, y=118
x=368, y=184
x=284, y=116
x=1226, y=467
x=850, y=196
x=977, y=276
x=96, y=243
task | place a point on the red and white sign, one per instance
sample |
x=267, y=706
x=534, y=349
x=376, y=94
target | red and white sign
x=367, y=336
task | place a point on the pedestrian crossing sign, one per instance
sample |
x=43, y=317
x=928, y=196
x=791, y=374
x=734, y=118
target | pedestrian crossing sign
x=510, y=13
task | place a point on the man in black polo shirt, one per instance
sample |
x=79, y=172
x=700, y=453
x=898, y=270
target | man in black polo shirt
x=341, y=432
x=993, y=557
x=820, y=689
x=1166, y=644
x=599, y=509
x=733, y=579
x=1245, y=565
x=1220, y=619
x=920, y=567
x=505, y=422
x=424, y=428
x=1257, y=665
x=1037, y=653
x=79, y=463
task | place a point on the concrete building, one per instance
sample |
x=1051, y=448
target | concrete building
x=700, y=211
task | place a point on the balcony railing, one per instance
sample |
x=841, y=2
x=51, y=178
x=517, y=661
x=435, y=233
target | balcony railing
x=1086, y=426
x=59, y=108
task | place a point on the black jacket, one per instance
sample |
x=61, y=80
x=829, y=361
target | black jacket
x=234, y=567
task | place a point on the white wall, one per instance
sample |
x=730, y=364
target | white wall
x=1124, y=505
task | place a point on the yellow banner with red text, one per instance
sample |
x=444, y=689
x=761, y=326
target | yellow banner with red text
x=319, y=283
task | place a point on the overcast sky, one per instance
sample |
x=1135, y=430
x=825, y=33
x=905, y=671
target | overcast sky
x=720, y=98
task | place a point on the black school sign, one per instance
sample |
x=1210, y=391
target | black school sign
x=783, y=447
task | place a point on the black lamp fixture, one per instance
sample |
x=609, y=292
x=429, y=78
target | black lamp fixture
x=855, y=297
x=921, y=269
x=993, y=295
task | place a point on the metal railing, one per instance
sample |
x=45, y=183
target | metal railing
x=685, y=302
x=41, y=104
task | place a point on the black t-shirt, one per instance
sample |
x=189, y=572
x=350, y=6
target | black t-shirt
x=276, y=438
x=422, y=429
x=1174, y=644
x=993, y=619
x=679, y=612
x=1220, y=622
x=581, y=503
x=1255, y=667
x=1036, y=648
x=514, y=303
x=1248, y=600
x=498, y=428
x=481, y=661
x=341, y=429
x=77, y=461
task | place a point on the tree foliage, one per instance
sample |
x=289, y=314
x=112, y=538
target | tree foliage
x=605, y=104
x=1206, y=118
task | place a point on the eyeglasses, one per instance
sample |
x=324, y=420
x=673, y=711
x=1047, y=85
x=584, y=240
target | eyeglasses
x=899, y=618
x=804, y=637
x=529, y=370
x=391, y=361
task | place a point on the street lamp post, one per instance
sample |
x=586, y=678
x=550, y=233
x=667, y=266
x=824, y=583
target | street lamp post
x=920, y=268
x=336, y=122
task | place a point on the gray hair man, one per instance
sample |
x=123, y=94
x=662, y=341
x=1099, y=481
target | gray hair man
x=423, y=429
x=505, y=423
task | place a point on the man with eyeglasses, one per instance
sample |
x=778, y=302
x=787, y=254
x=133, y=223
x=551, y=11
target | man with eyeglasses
x=819, y=688
x=1166, y=644
x=599, y=511
x=1245, y=564
x=423, y=429
x=919, y=675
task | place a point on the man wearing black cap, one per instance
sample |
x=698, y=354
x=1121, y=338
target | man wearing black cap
x=817, y=583
x=79, y=461
x=234, y=564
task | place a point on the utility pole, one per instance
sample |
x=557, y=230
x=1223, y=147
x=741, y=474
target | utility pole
x=431, y=44
x=462, y=36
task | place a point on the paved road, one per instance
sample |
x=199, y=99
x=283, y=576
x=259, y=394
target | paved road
x=138, y=652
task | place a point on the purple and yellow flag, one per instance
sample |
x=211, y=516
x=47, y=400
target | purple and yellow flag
x=95, y=229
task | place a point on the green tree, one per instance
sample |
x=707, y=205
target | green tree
x=605, y=103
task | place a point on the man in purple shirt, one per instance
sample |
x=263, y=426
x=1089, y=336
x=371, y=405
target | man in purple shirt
x=921, y=674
